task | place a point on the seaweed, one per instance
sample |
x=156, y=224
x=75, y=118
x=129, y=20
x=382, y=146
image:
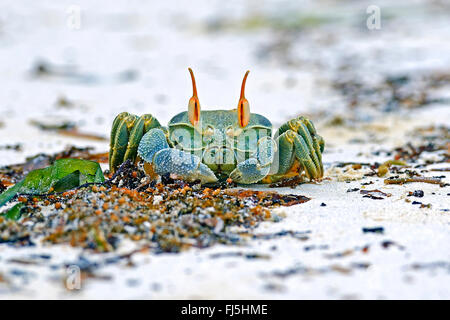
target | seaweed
x=63, y=175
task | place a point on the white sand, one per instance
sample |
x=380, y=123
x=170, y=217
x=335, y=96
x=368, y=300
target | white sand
x=160, y=43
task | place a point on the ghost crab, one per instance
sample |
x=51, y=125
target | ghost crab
x=216, y=144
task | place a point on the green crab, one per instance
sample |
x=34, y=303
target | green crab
x=218, y=144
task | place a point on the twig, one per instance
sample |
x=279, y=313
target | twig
x=408, y=180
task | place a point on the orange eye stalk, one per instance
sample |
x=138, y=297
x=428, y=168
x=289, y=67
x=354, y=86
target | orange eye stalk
x=243, y=109
x=194, y=103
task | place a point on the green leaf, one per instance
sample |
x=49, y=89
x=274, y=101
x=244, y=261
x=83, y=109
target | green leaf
x=64, y=174
x=72, y=180
x=10, y=193
x=14, y=213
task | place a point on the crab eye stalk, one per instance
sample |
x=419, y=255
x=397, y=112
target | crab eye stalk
x=243, y=109
x=194, y=103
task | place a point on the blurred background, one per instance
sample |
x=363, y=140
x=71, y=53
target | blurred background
x=73, y=65
x=370, y=74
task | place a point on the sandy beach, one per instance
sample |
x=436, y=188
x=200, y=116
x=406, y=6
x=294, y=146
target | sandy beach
x=374, y=95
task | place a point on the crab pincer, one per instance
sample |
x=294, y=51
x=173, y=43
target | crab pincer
x=155, y=150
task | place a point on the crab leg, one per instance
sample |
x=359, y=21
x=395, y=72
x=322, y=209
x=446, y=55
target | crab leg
x=117, y=120
x=319, y=143
x=142, y=125
x=293, y=146
x=257, y=167
x=120, y=133
x=305, y=155
x=155, y=150
x=310, y=146
x=127, y=130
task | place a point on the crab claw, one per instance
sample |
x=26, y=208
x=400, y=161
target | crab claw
x=155, y=150
x=185, y=165
x=256, y=168
x=248, y=172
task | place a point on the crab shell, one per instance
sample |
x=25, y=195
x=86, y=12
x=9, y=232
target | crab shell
x=218, y=139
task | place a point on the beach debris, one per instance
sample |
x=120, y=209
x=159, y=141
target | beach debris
x=316, y=247
x=10, y=174
x=64, y=102
x=410, y=180
x=391, y=93
x=14, y=213
x=64, y=174
x=411, y=152
x=435, y=265
x=299, y=235
x=169, y=215
x=371, y=194
x=53, y=126
x=291, y=182
x=354, y=165
x=341, y=254
x=379, y=230
x=300, y=269
x=70, y=72
x=14, y=147
x=260, y=196
x=346, y=173
x=386, y=244
x=67, y=128
x=250, y=256
x=383, y=169
x=416, y=193
x=440, y=169
x=75, y=133
x=422, y=205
